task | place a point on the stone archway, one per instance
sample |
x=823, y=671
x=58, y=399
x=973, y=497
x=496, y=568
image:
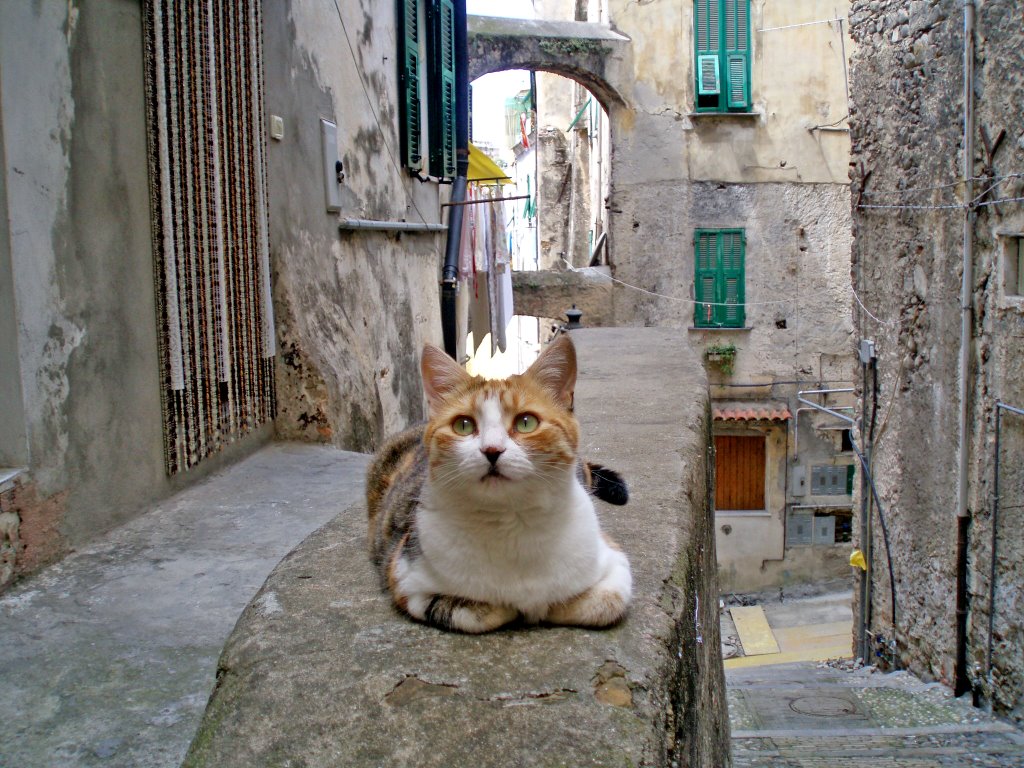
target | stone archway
x=591, y=54
x=600, y=60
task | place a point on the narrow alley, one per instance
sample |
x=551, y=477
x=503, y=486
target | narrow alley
x=787, y=237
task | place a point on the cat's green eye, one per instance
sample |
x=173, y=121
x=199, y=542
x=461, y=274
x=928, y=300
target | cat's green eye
x=463, y=426
x=526, y=423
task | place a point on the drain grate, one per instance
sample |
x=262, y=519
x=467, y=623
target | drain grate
x=823, y=706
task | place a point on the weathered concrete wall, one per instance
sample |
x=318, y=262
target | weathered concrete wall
x=73, y=124
x=14, y=446
x=353, y=310
x=798, y=82
x=321, y=669
x=80, y=380
x=564, y=186
x=907, y=134
x=797, y=261
x=782, y=180
x=779, y=172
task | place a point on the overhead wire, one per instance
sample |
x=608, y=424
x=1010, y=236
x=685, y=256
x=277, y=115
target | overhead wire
x=993, y=182
x=595, y=271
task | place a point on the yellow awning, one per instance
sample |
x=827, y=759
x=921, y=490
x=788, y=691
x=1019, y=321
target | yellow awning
x=481, y=168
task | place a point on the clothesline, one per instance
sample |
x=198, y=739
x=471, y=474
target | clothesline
x=595, y=271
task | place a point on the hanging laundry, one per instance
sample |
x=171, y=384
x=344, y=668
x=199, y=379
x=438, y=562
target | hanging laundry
x=466, y=239
x=501, y=277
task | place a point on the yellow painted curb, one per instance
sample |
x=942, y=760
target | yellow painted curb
x=755, y=634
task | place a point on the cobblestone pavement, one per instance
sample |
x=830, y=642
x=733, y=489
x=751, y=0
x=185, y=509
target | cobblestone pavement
x=808, y=715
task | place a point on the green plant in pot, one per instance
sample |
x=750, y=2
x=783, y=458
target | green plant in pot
x=721, y=356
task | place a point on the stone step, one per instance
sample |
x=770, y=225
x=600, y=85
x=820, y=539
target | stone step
x=939, y=749
x=816, y=716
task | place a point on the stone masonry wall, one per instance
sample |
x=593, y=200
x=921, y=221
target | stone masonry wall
x=907, y=134
x=321, y=670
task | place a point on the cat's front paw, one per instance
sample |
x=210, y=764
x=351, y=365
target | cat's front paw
x=599, y=606
x=605, y=603
x=459, y=614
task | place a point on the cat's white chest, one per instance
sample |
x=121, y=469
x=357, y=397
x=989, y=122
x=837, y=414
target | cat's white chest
x=528, y=558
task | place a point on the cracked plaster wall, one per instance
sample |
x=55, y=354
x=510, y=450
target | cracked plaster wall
x=352, y=309
x=79, y=276
x=782, y=180
x=908, y=134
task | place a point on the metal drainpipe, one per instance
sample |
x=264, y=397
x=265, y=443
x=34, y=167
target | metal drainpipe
x=1000, y=407
x=961, y=681
x=862, y=647
x=450, y=271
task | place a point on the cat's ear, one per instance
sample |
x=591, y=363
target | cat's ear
x=555, y=370
x=441, y=375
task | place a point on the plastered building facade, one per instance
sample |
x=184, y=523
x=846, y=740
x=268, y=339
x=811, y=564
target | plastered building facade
x=768, y=171
x=89, y=375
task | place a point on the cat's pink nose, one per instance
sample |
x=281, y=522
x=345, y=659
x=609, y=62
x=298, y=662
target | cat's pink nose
x=492, y=454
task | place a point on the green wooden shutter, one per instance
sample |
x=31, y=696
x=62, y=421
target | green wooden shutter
x=708, y=79
x=442, y=91
x=719, y=278
x=707, y=47
x=736, y=14
x=409, y=84
x=705, y=260
x=731, y=311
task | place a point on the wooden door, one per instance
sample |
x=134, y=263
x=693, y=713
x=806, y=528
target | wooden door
x=739, y=472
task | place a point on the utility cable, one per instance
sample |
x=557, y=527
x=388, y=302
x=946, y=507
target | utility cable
x=886, y=323
x=595, y=271
x=885, y=535
x=996, y=181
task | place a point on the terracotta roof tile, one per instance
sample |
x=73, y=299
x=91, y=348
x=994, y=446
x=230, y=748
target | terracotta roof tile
x=753, y=413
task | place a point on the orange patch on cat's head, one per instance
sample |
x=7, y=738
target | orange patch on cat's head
x=545, y=390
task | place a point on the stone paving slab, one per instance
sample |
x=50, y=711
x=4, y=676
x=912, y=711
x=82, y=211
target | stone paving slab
x=755, y=634
x=108, y=658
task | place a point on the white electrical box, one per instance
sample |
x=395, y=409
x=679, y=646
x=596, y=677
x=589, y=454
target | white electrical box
x=276, y=127
x=331, y=164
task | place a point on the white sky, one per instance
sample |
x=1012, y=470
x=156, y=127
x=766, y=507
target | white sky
x=512, y=9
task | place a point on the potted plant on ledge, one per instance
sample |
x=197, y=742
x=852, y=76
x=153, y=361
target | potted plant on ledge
x=721, y=356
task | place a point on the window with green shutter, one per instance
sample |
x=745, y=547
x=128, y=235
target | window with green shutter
x=722, y=55
x=719, y=276
x=441, y=73
x=409, y=107
x=427, y=114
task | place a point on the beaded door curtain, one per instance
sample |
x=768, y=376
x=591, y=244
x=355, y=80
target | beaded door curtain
x=204, y=96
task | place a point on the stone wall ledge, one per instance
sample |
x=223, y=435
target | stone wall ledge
x=321, y=671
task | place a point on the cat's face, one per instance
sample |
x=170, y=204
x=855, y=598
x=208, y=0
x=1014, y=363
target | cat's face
x=495, y=439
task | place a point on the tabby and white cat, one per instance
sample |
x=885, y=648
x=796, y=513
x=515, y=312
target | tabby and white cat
x=480, y=516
